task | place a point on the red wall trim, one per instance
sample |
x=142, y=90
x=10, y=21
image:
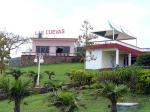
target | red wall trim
x=114, y=45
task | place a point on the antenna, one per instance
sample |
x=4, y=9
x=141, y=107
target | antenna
x=39, y=34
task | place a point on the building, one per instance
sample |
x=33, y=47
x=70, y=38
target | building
x=53, y=50
x=112, y=52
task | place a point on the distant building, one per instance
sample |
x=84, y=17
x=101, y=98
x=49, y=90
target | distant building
x=112, y=52
x=53, y=50
x=15, y=62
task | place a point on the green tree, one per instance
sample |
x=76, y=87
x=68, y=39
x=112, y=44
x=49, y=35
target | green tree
x=84, y=40
x=112, y=92
x=50, y=74
x=16, y=73
x=15, y=91
x=34, y=76
x=143, y=59
x=8, y=42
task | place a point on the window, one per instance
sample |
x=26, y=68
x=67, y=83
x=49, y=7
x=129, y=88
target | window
x=63, y=51
x=42, y=49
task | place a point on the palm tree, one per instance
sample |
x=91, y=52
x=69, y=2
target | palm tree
x=34, y=76
x=16, y=73
x=50, y=74
x=54, y=85
x=65, y=101
x=15, y=91
x=112, y=92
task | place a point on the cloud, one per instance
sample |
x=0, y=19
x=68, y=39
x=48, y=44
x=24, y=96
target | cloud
x=128, y=15
x=24, y=17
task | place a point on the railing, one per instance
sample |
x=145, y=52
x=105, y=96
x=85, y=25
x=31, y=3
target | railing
x=49, y=54
x=121, y=43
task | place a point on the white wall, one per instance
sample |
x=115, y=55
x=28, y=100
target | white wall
x=53, y=44
x=52, y=50
x=108, y=59
x=93, y=64
x=72, y=50
x=105, y=58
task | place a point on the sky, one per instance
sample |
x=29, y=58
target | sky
x=24, y=17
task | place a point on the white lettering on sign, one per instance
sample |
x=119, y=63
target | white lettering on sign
x=47, y=32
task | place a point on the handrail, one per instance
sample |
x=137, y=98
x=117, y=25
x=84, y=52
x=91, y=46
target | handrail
x=49, y=54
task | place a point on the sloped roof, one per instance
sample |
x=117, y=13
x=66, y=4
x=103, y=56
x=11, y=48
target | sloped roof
x=118, y=46
x=117, y=35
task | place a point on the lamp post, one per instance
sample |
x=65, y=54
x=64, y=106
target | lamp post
x=38, y=59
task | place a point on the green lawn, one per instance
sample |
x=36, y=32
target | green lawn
x=59, y=69
x=38, y=103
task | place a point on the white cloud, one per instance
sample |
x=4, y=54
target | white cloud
x=128, y=15
x=26, y=16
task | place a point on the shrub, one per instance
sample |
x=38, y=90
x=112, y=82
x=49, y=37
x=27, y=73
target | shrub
x=65, y=101
x=50, y=74
x=81, y=78
x=143, y=59
x=80, y=55
x=126, y=76
x=143, y=83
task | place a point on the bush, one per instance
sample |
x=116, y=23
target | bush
x=65, y=101
x=80, y=55
x=143, y=84
x=127, y=76
x=120, y=75
x=81, y=78
x=143, y=59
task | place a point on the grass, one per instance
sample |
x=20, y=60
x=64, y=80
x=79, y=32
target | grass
x=59, y=69
x=39, y=103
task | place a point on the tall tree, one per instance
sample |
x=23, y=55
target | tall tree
x=85, y=39
x=86, y=36
x=9, y=42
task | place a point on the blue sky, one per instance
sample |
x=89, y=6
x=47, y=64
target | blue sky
x=24, y=17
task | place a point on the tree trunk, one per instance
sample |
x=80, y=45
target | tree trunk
x=17, y=106
x=2, y=65
x=113, y=106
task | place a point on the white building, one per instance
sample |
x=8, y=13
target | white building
x=113, y=52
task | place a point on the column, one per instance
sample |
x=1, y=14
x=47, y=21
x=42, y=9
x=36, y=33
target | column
x=129, y=59
x=72, y=51
x=117, y=57
x=52, y=50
